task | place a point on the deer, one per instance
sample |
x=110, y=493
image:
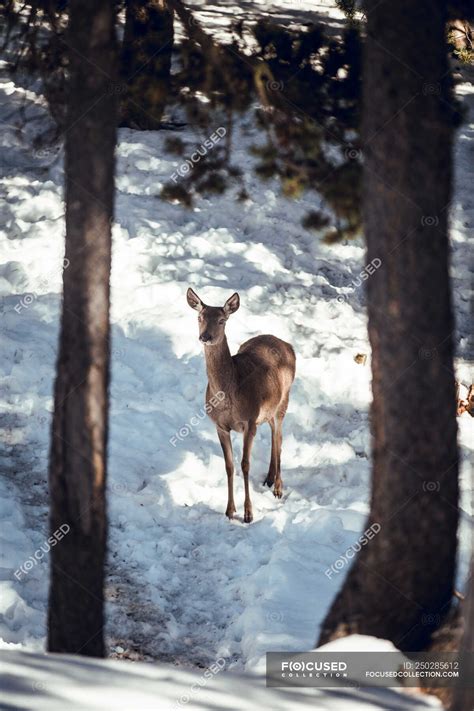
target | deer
x=253, y=387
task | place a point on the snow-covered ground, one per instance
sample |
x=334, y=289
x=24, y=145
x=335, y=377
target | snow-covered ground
x=55, y=682
x=184, y=583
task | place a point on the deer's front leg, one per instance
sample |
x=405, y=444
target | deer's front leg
x=249, y=434
x=226, y=444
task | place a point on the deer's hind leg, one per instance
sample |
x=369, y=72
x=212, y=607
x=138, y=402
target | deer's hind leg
x=281, y=412
x=272, y=469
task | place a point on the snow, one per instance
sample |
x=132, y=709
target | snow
x=184, y=584
x=54, y=682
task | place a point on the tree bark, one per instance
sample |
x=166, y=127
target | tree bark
x=401, y=584
x=146, y=62
x=79, y=438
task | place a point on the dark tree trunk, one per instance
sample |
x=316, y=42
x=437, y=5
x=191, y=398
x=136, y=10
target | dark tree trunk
x=146, y=62
x=401, y=584
x=79, y=437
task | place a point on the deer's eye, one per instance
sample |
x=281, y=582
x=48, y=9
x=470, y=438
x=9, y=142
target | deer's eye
x=222, y=320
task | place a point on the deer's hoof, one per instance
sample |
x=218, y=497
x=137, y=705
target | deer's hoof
x=248, y=517
x=278, y=491
x=230, y=511
x=268, y=481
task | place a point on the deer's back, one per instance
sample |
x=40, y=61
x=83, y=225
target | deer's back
x=268, y=352
x=265, y=367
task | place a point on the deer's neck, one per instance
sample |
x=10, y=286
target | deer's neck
x=220, y=368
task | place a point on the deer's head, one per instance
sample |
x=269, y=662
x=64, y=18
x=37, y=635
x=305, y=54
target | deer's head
x=212, y=319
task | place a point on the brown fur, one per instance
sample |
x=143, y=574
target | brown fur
x=256, y=384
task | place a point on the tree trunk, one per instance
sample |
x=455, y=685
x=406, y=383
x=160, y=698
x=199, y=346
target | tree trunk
x=401, y=584
x=146, y=62
x=79, y=437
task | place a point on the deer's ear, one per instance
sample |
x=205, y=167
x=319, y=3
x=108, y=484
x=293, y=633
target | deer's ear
x=232, y=304
x=193, y=300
